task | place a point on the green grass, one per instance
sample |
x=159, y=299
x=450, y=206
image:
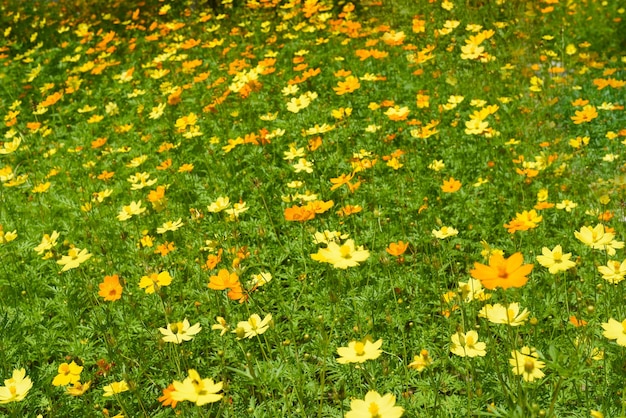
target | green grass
x=545, y=62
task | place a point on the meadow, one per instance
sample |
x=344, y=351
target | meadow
x=312, y=208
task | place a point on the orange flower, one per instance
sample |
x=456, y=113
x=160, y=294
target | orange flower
x=110, y=288
x=224, y=280
x=98, y=142
x=319, y=206
x=397, y=248
x=299, y=214
x=167, y=399
x=577, y=322
x=501, y=272
x=213, y=260
x=451, y=185
x=588, y=114
x=348, y=86
x=341, y=180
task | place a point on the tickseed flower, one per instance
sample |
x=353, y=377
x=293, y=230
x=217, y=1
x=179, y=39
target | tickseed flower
x=451, y=185
x=110, y=288
x=467, y=344
x=525, y=363
x=501, y=272
x=196, y=389
x=115, y=388
x=598, y=238
x=359, y=351
x=614, y=271
x=253, y=326
x=128, y=211
x=343, y=256
x=614, y=330
x=155, y=281
x=67, y=373
x=166, y=399
x=15, y=388
x=421, y=361
x=219, y=205
x=444, y=232
x=473, y=290
x=178, y=332
x=221, y=326
x=77, y=388
x=397, y=248
x=555, y=260
x=74, y=258
x=498, y=314
x=375, y=406
x=47, y=242
x=170, y=226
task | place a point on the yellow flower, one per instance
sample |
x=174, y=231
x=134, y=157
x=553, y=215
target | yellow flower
x=375, y=406
x=68, y=373
x=421, y=361
x=343, y=256
x=555, y=260
x=221, y=325
x=128, y=211
x=525, y=363
x=498, y=314
x=359, y=351
x=78, y=388
x=614, y=271
x=467, y=344
x=473, y=290
x=197, y=390
x=115, y=388
x=180, y=331
x=219, y=205
x=444, y=232
x=75, y=258
x=154, y=281
x=170, y=226
x=254, y=325
x=614, y=330
x=15, y=388
x=598, y=238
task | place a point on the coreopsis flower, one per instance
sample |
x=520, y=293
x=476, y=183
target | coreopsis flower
x=77, y=388
x=445, y=232
x=74, y=258
x=127, y=212
x=196, y=389
x=47, y=242
x=587, y=114
x=115, y=388
x=555, y=260
x=598, y=238
x=166, y=399
x=451, y=185
x=110, y=288
x=67, y=373
x=498, y=314
x=473, y=290
x=467, y=344
x=359, y=351
x=253, y=326
x=501, y=272
x=170, y=226
x=155, y=281
x=15, y=388
x=421, y=361
x=397, y=248
x=221, y=326
x=375, y=406
x=341, y=257
x=525, y=363
x=614, y=271
x=614, y=330
x=178, y=332
x=219, y=205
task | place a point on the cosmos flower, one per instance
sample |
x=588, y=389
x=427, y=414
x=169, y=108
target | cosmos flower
x=359, y=351
x=525, y=363
x=196, y=389
x=178, y=332
x=375, y=406
x=467, y=344
x=341, y=257
x=501, y=272
x=15, y=388
x=74, y=258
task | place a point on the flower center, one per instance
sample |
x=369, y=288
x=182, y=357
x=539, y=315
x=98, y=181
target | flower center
x=502, y=273
x=373, y=410
x=529, y=365
x=359, y=348
x=345, y=251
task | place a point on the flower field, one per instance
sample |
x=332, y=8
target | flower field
x=313, y=208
